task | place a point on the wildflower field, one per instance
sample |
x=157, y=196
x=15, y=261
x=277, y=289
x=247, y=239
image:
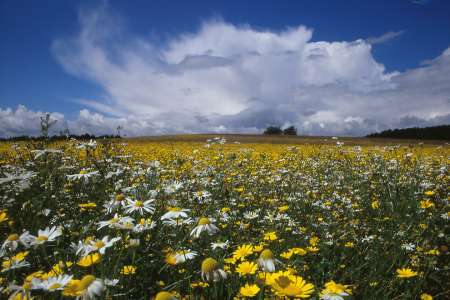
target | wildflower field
x=140, y=219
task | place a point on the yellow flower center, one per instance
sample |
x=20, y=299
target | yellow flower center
x=292, y=290
x=267, y=254
x=13, y=237
x=120, y=197
x=209, y=265
x=26, y=286
x=139, y=203
x=41, y=238
x=114, y=221
x=99, y=244
x=199, y=194
x=333, y=294
x=87, y=241
x=84, y=172
x=55, y=286
x=86, y=282
x=203, y=221
x=164, y=296
x=175, y=209
x=171, y=187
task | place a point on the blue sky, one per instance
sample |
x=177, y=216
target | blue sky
x=345, y=68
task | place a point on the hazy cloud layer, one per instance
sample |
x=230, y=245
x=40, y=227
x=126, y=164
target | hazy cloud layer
x=234, y=79
x=384, y=38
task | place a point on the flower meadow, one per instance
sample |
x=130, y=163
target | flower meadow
x=129, y=219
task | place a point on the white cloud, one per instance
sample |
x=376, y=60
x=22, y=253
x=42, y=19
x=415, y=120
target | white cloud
x=384, y=38
x=235, y=79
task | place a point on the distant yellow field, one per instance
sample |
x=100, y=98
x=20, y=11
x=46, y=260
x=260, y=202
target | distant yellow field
x=286, y=139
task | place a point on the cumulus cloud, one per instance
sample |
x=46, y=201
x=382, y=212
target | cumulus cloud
x=227, y=78
x=385, y=37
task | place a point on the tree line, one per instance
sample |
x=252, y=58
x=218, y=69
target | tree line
x=441, y=132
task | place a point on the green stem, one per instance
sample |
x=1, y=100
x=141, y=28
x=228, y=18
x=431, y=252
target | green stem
x=101, y=266
x=261, y=294
x=92, y=264
x=45, y=255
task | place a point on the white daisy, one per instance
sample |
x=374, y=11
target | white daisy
x=24, y=289
x=210, y=270
x=83, y=174
x=48, y=235
x=172, y=186
x=109, y=223
x=83, y=248
x=185, y=254
x=101, y=245
x=408, y=246
x=140, y=206
x=14, y=239
x=110, y=282
x=250, y=215
x=51, y=151
x=90, y=286
x=178, y=222
x=14, y=264
x=84, y=145
x=267, y=262
x=204, y=224
x=175, y=213
x=219, y=245
x=17, y=177
x=55, y=283
x=330, y=295
x=146, y=224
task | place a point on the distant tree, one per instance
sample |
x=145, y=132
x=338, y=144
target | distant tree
x=273, y=130
x=290, y=131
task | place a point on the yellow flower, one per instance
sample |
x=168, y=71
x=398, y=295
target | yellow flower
x=336, y=287
x=426, y=297
x=299, y=251
x=429, y=193
x=128, y=270
x=286, y=255
x=246, y=268
x=406, y=273
x=349, y=245
x=258, y=248
x=87, y=261
x=199, y=284
x=312, y=249
x=314, y=240
x=37, y=274
x=243, y=251
x=21, y=255
x=375, y=204
x=3, y=217
x=263, y=278
x=72, y=289
x=271, y=236
x=249, y=290
x=426, y=204
x=291, y=286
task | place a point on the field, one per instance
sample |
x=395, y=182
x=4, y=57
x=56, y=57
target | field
x=241, y=217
